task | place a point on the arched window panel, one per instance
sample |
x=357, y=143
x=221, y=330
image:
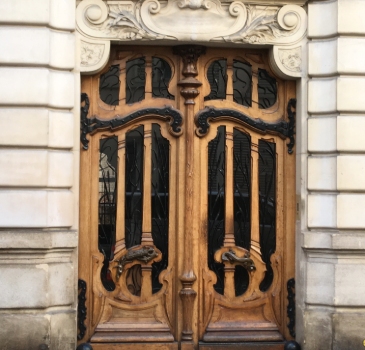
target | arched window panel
x=267, y=207
x=108, y=165
x=242, y=83
x=135, y=80
x=160, y=201
x=161, y=76
x=267, y=89
x=216, y=203
x=217, y=77
x=109, y=86
x=242, y=202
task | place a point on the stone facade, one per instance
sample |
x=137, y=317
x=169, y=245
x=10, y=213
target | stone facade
x=40, y=61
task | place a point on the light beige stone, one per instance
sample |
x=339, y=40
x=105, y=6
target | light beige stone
x=62, y=276
x=349, y=51
x=320, y=283
x=24, y=11
x=318, y=329
x=350, y=287
x=348, y=97
x=37, y=239
x=62, y=14
x=322, y=210
x=350, y=172
x=23, y=167
x=60, y=208
x=323, y=57
x=349, y=133
x=350, y=17
x=322, y=19
x=19, y=289
x=61, y=129
x=322, y=95
x=62, y=50
x=350, y=211
x=347, y=326
x=63, y=327
x=322, y=134
x=31, y=86
x=322, y=173
x=17, y=126
x=23, y=208
x=61, y=89
x=60, y=169
x=34, y=43
x=35, y=330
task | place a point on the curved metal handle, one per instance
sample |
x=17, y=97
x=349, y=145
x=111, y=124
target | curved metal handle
x=245, y=261
x=144, y=254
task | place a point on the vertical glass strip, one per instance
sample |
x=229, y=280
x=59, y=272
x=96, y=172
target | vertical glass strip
x=109, y=86
x=267, y=207
x=242, y=202
x=242, y=83
x=161, y=76
x=267, y=89
x=108, y=161
x=216, y=201
x=135, y=80
x=160, y=201
x=133, y=186
x=217, y=77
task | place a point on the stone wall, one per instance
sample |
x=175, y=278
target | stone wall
x=39, y=174
x=334, y=241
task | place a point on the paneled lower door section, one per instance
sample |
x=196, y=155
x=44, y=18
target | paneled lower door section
x=187, y=201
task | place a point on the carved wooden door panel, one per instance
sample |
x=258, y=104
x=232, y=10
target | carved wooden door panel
x=186, y=201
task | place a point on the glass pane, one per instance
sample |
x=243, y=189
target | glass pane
x=133, y=187
x=161, y=76
x=242, y=83
x=217, y=77
x=109, y=86
x=216, y=200
x=160, y=201
x=107, y=205
x=267, y=206
x=135, y=80
x=267, y=89
x=242, y=202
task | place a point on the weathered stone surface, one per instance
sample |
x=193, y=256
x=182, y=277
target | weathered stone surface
x=347, y=332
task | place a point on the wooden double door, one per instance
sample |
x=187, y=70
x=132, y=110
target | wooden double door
x=187, y=201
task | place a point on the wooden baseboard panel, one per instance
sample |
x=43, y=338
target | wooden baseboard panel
x=242, y=346
x=135, y=346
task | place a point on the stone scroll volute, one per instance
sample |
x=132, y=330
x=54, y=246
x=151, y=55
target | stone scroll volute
x=281, y=26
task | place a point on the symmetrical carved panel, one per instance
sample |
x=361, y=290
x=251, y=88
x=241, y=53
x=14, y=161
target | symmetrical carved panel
x=234, y=22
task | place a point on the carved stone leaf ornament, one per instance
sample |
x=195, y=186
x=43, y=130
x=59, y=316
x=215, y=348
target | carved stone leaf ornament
x=190, y=21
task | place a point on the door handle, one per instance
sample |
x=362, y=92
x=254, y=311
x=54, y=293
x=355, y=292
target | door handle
x=144, y=254
x=245, y=261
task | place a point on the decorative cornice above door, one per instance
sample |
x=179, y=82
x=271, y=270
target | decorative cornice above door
x=215, y=22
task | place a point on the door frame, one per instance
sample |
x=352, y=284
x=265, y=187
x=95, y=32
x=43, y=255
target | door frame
x=95, y=42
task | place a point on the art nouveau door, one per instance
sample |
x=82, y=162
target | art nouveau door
x=187, y=217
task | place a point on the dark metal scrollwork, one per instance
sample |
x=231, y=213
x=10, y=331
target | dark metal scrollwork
x=84, y=120
x=291, y=131
x=89, y=125
x=144, y=254
x=201, y=119
x=291, y=306
x=81, y=309
x=245, y=261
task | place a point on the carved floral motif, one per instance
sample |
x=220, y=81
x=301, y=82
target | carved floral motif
x=291, y=58
x=91, y=54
